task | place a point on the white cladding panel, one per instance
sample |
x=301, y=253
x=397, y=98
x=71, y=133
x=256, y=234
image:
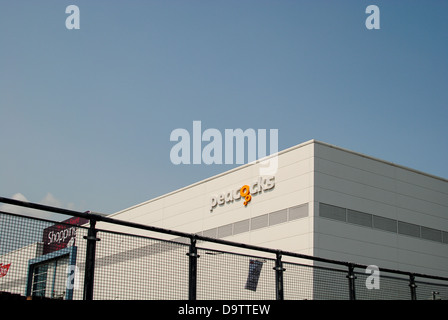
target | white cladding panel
x=315, y=173
x=189, y=209
x=353, y=181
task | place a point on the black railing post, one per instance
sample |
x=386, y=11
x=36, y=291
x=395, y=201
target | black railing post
x=90, y=261
x=413, y=287
x=279, y=276
x=351, y=281
x=192, y=274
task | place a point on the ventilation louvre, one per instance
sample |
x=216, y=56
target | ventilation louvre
x=332, y=212
x=408, y=229
x=259, y=222
x=381, y=223
x=359, y=218
x=385, y=224
x=241, y=226
x=278, y=217
x=225, y=231
x=431, y=234
x=298, y=212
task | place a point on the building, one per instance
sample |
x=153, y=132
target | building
x=321, y=200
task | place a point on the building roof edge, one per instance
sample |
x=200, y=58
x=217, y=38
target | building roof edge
x=303, y=144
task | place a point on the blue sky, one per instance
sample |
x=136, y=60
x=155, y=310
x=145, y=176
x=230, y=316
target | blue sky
x=86, y=115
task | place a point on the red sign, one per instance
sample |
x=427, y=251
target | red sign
x=60, y=236
x=4, y=269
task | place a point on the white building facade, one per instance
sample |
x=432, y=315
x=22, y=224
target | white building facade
x=321, y=200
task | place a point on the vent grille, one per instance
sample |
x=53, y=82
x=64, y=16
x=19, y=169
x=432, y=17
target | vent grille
x=259, y=222
x=445, y=236
x=241, y=226
x=278, y=217
x=431, y=234
x=381, y=223
x=332, y=212
x=408, y=229
x=225, y=231
x=359, y=218
x=298, y=212
x=211, y=233
x=385, y=224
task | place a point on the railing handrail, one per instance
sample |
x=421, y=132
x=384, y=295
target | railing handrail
x=104, y=218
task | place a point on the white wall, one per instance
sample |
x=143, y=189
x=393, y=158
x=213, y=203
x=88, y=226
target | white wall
x=188, y=209
x=365, y=184
x=16, y=278
x=308, y=174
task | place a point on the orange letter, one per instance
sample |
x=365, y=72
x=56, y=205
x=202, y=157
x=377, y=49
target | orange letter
x=245, y=192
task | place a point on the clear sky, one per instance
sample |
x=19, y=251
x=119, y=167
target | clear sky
x=86, y=115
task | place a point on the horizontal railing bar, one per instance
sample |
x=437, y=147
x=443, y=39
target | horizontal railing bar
x=99, y=217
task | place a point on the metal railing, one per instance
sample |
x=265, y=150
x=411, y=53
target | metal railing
x=75, y=259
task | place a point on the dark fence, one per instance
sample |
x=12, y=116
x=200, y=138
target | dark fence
x=91, y=256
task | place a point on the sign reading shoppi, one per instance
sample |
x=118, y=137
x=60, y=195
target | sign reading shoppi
x=244, y=192
x=63, y=235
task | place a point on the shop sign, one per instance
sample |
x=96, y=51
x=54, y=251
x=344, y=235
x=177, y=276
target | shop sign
x=60, y=236
x=4, y=269
x=245, y=192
